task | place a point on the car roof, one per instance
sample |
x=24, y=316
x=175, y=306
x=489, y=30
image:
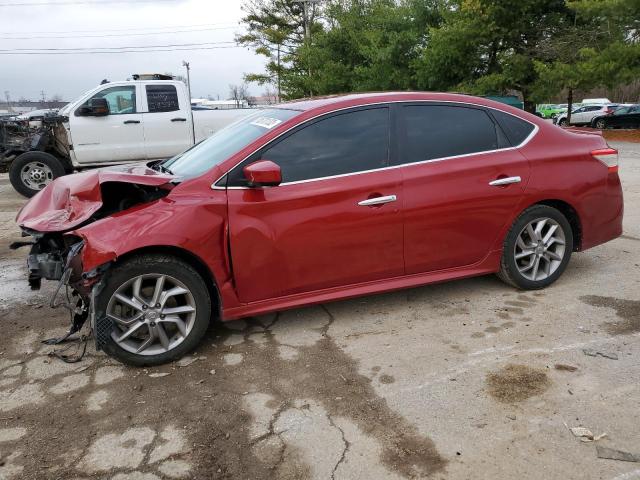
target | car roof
x=356, y=99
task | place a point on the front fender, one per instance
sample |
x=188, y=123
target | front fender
x=196, y=225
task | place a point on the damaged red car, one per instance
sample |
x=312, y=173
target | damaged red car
x=319, y=200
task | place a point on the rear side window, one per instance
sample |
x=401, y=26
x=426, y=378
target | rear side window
x=438, y=131
x=516, y=129
x=340, y=144
x=162, y=98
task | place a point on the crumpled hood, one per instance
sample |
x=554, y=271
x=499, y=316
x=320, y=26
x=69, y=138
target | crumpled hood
x=70, y=200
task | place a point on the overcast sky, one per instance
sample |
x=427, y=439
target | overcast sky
x=69, y=75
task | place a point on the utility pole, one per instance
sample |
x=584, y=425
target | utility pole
x=6, y=94
x=44, y=99
x=193, y=128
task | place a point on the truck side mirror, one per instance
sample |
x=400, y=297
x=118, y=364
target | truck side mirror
x=96, y=107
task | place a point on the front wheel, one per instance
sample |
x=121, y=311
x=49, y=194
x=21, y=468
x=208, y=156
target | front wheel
x=563, y=122
x=158, y=308
x=537, y=249
x=30, y=172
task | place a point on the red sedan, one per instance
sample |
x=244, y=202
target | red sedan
x=319, y=200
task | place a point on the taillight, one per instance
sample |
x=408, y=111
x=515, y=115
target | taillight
x=608, y=156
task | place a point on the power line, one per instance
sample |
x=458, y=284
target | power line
x=118, y=34
x=126, y=29
x=77, y=2
x=80, y=49
x=120, y=51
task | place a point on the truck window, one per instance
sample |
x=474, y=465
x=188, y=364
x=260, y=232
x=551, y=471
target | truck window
x=121, y=100
x=162, y=98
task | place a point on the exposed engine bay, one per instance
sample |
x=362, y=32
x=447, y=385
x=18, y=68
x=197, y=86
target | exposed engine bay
x=46, y=133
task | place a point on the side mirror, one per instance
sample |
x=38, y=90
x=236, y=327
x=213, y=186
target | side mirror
x=263, y=173
x=97, y=107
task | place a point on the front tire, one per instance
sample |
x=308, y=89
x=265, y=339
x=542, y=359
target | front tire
x=537, y=248
x=159, y=308
x=563, y=122
x=30, y=172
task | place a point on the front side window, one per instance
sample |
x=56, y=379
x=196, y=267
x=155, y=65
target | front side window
x=121, y=100
x=340, y=144
x=162, y=98
x=439, y=131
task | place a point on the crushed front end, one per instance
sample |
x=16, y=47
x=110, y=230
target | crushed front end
x=57, y=257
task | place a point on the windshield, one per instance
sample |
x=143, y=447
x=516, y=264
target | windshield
x=224, y=143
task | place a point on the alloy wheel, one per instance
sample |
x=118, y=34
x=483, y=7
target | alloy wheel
x=151, y=313
x=36, y=175
x=539, y=249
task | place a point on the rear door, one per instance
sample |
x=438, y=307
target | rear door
x=590, y=112
x=116, y=137
x=167, y=121
x=334, y=221
x=462, y=182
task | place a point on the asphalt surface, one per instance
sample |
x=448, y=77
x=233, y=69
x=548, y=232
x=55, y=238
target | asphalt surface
x=468, y=379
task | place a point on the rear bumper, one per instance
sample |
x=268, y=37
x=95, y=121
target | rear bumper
x=602, y=218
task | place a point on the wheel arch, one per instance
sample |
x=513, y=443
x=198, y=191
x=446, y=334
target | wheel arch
x=189, y=258
x=570, y=214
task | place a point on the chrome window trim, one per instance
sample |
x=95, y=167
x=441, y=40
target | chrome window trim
x=533, y=133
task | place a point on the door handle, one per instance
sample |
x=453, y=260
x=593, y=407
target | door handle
x=127, y=122
x=505, y=181
x=178, y=119
x=377, y=201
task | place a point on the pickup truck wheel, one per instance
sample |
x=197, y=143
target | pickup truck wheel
x=537, y=249
x=30, y=172
x=159, y=309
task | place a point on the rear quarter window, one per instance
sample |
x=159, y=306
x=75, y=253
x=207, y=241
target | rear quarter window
x=516, y=129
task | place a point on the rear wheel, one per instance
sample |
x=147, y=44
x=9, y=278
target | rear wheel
x=159, y=309
x=30, y=172
x=600, y=123
x=537, y=249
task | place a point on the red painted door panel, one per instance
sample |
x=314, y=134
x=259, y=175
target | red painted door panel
x=452, y=215
x=307, y=236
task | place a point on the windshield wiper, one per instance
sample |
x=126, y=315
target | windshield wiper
x=164, y=169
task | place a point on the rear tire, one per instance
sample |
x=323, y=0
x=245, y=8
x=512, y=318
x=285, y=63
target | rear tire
x=166, y=309
x=600, y=124
x=537, y=248
x=30, y=172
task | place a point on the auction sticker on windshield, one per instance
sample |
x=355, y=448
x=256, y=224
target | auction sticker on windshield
x=266, y=122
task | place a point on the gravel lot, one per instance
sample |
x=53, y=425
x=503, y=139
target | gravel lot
x=469, y=379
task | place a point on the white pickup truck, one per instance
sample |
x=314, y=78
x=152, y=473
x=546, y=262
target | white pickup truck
x=118, y=122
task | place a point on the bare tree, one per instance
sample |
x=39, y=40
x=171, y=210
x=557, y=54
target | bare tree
x=239, y=93
x=269, y=96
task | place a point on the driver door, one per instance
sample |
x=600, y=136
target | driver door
x=335, y=219
x=114, y=138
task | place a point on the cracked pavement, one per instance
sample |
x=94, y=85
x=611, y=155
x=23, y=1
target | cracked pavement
x=451, y=381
